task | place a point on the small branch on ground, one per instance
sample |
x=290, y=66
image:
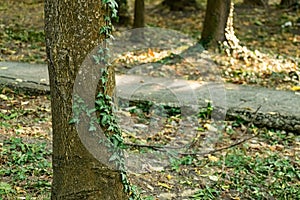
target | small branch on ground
x=164, y=148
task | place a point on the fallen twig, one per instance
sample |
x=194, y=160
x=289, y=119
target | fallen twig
x=156, y=147
x=164, y=148
x=232, y=145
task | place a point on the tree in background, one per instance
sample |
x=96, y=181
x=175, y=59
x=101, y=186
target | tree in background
x=180, y=5
x=72, y=31
x=217, y=13
x=290, y=3
x=139, y=14
x=137, y=34
x=123, y=13
x=256, y=2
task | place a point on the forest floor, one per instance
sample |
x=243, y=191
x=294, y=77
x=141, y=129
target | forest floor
x=262, y=167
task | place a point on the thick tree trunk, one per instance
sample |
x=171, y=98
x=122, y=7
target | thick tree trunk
x=180, y=5
x=72, y=31
x=217, y=13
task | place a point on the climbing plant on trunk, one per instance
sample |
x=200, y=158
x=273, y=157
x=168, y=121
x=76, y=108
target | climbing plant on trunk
x=72, y=31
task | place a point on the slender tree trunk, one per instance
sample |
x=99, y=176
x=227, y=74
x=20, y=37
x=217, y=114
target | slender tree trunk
x=180, y=5
x=256, y=2
x=72, y=31
x=139, y=21
x=289, y=3
x=139, y=14
x=217, y=12
x=124, y=17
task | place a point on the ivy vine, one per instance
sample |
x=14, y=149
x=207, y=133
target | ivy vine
x=104, y=104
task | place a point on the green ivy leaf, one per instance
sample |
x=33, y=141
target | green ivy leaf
x=74, y=121
x=92, y=128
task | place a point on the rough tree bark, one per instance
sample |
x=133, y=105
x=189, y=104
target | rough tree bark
x=217, y=13
x=72, y=31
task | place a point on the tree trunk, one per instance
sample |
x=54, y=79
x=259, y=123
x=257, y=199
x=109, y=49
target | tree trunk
x=139, y=14
x=180, y=5
x=137, y=34
x=289, y=3
x=124, y=17
x=72, y=31
x=256, y=2
x=217, y=13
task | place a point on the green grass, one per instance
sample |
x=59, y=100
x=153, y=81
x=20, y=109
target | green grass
x=252, y=170
x=253, y=176
x=26, y=168
x=24, y=35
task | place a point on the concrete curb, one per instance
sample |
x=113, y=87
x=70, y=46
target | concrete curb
x=279, y=109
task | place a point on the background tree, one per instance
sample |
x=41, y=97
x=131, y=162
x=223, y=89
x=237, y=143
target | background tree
x=256, y=2
x=137, y=34
x=217, y=13
x=72, y=31
x=139, y=14
x=289, y=3
x=123, y=12
x=180, y=5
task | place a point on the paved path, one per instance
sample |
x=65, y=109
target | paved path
x=279, y=109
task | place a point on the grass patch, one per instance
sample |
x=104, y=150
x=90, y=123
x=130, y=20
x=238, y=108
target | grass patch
x=257, y=176
x=25, y=35
x=26, y=168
